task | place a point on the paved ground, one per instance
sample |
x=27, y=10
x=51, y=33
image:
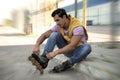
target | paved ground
x=102, y=64
x=15, y=66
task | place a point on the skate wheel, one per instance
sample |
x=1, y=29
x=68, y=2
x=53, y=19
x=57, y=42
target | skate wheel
x=41, y=72
x=29, y=58
x=35, y=63
x=39, y=68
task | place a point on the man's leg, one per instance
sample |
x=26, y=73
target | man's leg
x=80, y=53
x=75, y=56
x=54, y=39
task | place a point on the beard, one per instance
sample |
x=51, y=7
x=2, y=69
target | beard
x=63, y=26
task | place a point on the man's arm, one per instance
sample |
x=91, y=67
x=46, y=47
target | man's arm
x=40, y=40
x=71, y=46
x=43, y=37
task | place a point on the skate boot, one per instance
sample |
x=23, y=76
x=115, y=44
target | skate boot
x=40, y=62
x=62, y=67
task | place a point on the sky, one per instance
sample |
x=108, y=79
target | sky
x=6, y=6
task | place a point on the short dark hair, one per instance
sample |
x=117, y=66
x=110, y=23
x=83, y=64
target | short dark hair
x=60, y=12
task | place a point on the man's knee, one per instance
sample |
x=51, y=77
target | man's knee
x=55, y=34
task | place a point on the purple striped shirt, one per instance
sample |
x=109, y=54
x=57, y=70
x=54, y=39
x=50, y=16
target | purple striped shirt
x=77, y=31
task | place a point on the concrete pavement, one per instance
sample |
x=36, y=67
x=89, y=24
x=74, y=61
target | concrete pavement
x=14, y=64
x=102, y=64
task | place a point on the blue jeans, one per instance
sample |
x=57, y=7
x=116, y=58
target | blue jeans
x=78, y=54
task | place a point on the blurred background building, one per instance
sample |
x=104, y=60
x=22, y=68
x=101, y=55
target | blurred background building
x=21, y=19
x=38, y=17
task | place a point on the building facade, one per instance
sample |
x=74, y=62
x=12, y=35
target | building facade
x=99, y=12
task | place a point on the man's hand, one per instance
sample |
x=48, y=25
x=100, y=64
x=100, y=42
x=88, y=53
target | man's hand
x=51, y=55
x=36, y=50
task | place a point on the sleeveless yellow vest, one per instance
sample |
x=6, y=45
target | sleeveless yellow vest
x=73, y=24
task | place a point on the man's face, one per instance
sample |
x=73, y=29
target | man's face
x=60, y=21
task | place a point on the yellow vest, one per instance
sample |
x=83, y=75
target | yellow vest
x=73, y=24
